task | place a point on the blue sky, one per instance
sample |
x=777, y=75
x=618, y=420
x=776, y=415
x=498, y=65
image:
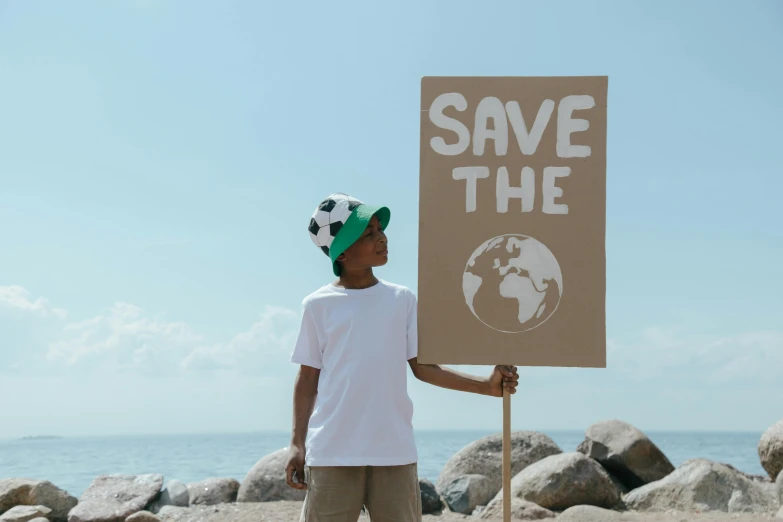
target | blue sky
x=159, y=162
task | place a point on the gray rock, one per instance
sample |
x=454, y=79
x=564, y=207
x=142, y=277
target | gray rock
x=702, y=485
x=771, y=449
x=27, y=492
x=40, y=519
x=779, y=484
x=174, y=494
x=626, y=453
x=562, y=481
x=112, y=498
x=520, y=510
x=589, y=514
x=485, y=457
x=463, y=494
x=266, y=481
x=431, y=503
x=143, y=516
x=25, y=513
x=780, y=513
x=622, y=488
x=167, y=512
x=213, y=491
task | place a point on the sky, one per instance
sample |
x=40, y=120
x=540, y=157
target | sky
x=160, y=160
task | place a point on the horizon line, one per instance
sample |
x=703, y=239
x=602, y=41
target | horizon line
x=420, y=430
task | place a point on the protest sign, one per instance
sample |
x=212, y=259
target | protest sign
x=512, y=215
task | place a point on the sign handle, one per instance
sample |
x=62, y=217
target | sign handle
x=506, y=456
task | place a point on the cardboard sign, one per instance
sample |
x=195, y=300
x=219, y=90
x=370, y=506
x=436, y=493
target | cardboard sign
x=512, y=266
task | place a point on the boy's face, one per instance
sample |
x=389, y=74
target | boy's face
x=370, y=250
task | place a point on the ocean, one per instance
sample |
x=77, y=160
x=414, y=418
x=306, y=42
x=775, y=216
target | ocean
x=72, y=463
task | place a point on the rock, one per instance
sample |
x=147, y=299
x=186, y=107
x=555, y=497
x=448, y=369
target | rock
x=463, y=494
x=143, y=516
x=213, y=491
x=25, y=513
x=702, y=485
x=621, y=488
x=589, y=514
x=174, y=494
x=266, y=481
x=170, y=511
x=431, y=503
x=26, y=492
x=485, y=457
x=40, y=519
x=626, y=453
x=562, y=481
x=771, y=449
x=779, y=484
x=112, y=498
x=780, y=513
x=520, y=510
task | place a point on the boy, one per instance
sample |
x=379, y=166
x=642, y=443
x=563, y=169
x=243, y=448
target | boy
x=351, y=405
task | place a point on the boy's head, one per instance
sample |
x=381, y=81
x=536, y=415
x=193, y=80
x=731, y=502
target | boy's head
x=350, y=233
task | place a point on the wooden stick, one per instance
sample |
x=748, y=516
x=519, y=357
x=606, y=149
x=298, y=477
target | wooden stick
x=506, y=456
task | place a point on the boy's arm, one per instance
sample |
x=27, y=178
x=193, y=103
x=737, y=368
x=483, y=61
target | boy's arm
x=305, y=391
x=501, y=377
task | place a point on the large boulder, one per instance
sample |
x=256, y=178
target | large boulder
x=771, y=449
x=562, y=481
x=27, y=492
x=520, y=510
x=113, y=498
x=174, y=494
x=266, y=481
x=485, y=457
x=621, y=487
x=25, y=513
x=213, y=491
x=431, y=503
x=702, y=485
x=466, y=492
x=626, y=453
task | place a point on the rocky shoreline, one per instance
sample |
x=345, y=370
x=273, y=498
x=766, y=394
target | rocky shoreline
x=616, y=474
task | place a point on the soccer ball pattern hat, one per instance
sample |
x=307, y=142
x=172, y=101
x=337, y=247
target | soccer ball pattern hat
x=339, y=221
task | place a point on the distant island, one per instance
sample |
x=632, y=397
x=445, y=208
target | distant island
x=40, y=437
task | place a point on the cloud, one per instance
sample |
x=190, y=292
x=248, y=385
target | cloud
x=657, y=353
x=271, y=336
x=124, y=335
x=17, y=297
x=127, y=337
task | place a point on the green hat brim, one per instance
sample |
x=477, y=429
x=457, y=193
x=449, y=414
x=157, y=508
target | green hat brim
x=353, y=229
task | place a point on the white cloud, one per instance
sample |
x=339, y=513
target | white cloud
x=18, y=297
x=127, y=337
x=124, y=335
x=271, y=336
x=751, y=357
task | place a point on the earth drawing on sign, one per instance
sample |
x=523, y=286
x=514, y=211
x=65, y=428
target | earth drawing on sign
x=512, y=283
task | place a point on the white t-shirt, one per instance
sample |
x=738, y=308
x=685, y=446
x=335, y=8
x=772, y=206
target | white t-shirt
x=361, y=340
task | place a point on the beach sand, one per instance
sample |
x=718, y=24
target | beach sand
x=289, y=512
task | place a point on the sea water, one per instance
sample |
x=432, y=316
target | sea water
x=72, y=463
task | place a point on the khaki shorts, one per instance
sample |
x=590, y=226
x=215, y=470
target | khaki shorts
x=337, y=493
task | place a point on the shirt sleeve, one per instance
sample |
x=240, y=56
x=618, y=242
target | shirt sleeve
x=413, y=327
x=307, y=350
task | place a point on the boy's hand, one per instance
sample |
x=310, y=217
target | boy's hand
x=295, y=465
x=503, y=377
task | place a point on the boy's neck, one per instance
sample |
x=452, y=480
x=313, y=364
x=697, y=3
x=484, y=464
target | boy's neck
x=357, y=280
